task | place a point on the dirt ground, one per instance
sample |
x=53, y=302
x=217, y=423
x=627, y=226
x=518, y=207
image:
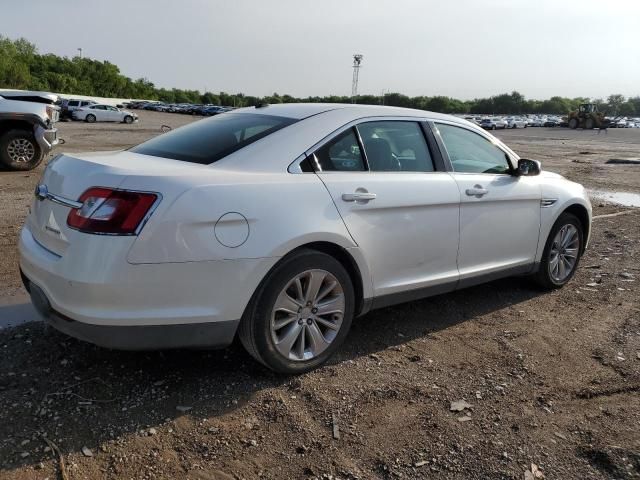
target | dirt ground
x=551, y=379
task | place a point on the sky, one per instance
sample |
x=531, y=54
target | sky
x=459, y=48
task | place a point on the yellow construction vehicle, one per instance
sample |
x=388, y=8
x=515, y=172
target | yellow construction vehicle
x=588, y=117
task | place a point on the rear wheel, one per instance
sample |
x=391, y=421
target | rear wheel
x=301, y=313
x=19, y=150
x=493, y=127
x=573, y=123
x=561, y=252
x=589, y=124
x=91, y=118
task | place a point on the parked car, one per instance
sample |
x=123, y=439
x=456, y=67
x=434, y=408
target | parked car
x=27, y=128
x=551, y=122
x=516, y=122
x=493, y=123
x=268, y=223
x=104, y=113
x=212, y=110
x=68, y=106
x=536, y=122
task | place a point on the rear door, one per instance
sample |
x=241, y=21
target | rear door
x=398, y=204
x=499, y=212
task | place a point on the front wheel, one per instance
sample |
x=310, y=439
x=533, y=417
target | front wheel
x=128, y=119
x=561, y=253
x=301, y=313
x=19, y=150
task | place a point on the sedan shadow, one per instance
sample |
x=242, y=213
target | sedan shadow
x=54, y=386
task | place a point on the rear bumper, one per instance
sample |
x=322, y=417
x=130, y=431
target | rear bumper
x=98, y=297
x=138, y=337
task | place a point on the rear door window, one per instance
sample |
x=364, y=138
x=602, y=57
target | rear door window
x=207, y=141
x=341, y=154
x=395, y=146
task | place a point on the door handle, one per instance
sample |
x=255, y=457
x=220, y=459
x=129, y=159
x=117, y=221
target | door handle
x=358, y=197
x=477, y=191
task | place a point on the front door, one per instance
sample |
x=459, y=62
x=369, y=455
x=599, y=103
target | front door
x=398, y=208
x=499, y=212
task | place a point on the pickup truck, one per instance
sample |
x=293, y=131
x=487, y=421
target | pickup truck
x=27, y=132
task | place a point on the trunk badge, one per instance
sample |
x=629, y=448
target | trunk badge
x=42, y=192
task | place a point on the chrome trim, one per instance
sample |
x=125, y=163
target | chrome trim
x=42, y=193
x=547, y=202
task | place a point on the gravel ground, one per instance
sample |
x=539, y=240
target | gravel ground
x=550, y=382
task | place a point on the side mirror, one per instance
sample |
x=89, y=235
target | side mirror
x=528, y=168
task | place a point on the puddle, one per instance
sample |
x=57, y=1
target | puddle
x=623, y=161
x=620, y=198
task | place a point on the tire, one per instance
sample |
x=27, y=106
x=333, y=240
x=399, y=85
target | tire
x=544, y=277
x=573, y=123
x=128, y=119
x=19, y=150
x=589, y=124
x=91, y=118
x=261, y=340
x=493, y=127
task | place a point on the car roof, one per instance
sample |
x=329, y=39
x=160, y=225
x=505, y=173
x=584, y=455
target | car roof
x=300, y=111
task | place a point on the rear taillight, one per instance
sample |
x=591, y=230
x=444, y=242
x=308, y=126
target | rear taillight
x=108, y=211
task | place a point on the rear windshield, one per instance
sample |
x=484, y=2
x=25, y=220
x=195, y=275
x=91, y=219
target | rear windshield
x=207, y=141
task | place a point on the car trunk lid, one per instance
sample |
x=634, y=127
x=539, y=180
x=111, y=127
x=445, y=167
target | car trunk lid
x=68, y=176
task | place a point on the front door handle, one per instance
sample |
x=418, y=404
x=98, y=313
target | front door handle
x=477, y=191
x=358, y=197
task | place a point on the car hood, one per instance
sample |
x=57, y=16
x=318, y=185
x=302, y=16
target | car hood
x=30, y=96
x=550, y=175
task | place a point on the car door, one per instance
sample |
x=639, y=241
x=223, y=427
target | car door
x=499, y=211
x=100, y=112
x=398, y=204
x=114, y=114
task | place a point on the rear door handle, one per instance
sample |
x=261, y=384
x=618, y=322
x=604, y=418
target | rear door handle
x=477, y=191
x=358, y=197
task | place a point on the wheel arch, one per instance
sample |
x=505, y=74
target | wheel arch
x=347, y=261
x=14, y=124
x=582, y=214
x=341, y=254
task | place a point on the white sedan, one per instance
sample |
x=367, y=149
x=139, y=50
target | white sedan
x=282, y=223
x=516, y=122
x=104, y=113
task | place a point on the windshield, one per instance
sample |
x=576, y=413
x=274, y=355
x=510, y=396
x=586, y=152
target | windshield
x=207, y=141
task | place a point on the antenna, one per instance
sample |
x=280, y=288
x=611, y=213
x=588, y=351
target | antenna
x=357, y=60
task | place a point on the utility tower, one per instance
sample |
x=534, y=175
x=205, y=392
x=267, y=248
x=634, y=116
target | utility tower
x=357, y=60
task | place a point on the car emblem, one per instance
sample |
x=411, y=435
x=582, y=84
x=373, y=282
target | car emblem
x=41, y=192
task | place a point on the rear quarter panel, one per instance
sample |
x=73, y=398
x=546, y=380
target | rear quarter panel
x=282, y=212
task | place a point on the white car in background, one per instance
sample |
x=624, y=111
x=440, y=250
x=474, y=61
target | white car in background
x=516, y=122
x=282, y=223
x=103, y=113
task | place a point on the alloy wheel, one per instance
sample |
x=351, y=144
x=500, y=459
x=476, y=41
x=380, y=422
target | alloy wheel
x=563, y=255
x=21, y=150
x=307, y=315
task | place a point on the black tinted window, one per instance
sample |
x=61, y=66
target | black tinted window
x=207, y=141
x=340, y=154
x=395, y=146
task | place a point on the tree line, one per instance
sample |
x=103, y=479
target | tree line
x=22, y=67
